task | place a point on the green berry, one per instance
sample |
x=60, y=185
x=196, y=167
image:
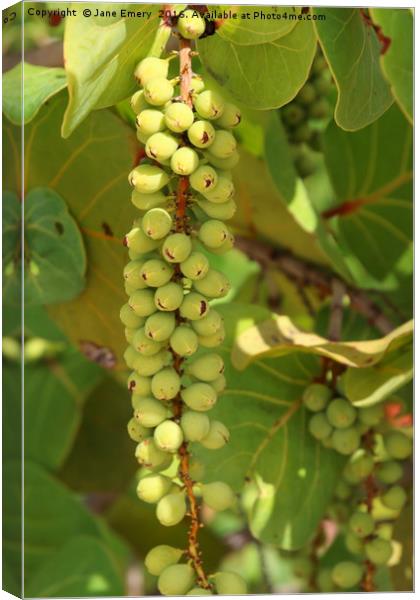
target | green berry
x=129, y=318
x=319, y=64
x=143, y=344
x=209, y=324
x=152, y=488
x=385, y=531
x=136, y=431
x=319, y=109
x=221, y=192
x=177, y=247
x=354, y=543
x=302, y=567
x=184, y=161
x=201, y=134
x=169, y=297
x=325, y=581
x=213, y=233
x=395, y=497
x=198, y=591
x=171, y=510
x=231, y=116
x=142, y=303
x=129, y=334
x=166, y=384
x=229, y=584
x=209, y=105
x=360, y=465
x=150, y=121
x=319, y=426
x=179, y=117
x=361, y=524
x=218, y=495
x=176, y=580
x=138, y=102
x=398, y=445
x=147, y=201
x=340, y=413
x=138, y=241
x=322, y=84
x=217, y=437
x=379, y=551
x=214, y=285
x=139, y=384
x=203, y=179
x=302, y=133
x=390, y=472
x=224, y=144
x=194, y=307
x=197, y=84
x=149, y=365
x=131, y=273
x=184, y=341
x=151, y=68
x=158, y=91
x=196, y=266
x=161, y=146
x=206, y=367
x=191, y=24
x=306, y=95
x=199, y=396
x=148, y=179
x=156, y=273
x=150, y=412
x=347, y=574
x=212, y=341
x=160, y=326
x=346, y=441
x=316, y=396
x=225, y=164
x=131, y=357
x=160, y=557
x=222, y=212
x=293, y=114
x=195, y=425
x=149, y=455
x=371, y=415
x=168, y=436
x=219, y=384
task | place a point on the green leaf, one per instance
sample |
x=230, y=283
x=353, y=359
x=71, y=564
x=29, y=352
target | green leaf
x=289, y=477
x=402, y=573
x=352, y=50
x=96, y=573
x=101, y=57
x=39, y=85
x=278, y=336
x=55, y=391
x=247, y=27
x=265, y=75
x=397, y=61
x=365, y=387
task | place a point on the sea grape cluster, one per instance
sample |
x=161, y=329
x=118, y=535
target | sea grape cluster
x=184, y=192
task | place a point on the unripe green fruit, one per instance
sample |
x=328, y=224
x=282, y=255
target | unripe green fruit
x=196, y=266
x=379, y=551
x=224, y=144
x=142, y=138
x=144, y=344
x=316, y=396
x=225, y=164
x=217, y=437
x=199, y=396
x=149, y=455
x=149, y=365
x=136, y=431
x=319, y=64
x=218, y=495
x=213, y=233
x=395, y=497
x=316, y=141
x=195, y=425
x=340, y=512
x=319, y=109
x=340, y=413
x=160, y=557
x=206, y=367
x=131, y=273
x=203, y=179
x=169, y=297
x=354, y=544
x=361, y=524
x=385, y=531
x=184, y=341
x=306, y=95
x=148, y=179
x=160, y=146
x=166, y=384
x=176, y=580
x=398, y=445
x=229, y=584
x=322, y=84
x=156, y=273
x=219, y=384
x=302, y=133
x=129, y=334
x=152, y=488
x=179, y=117
x=347, y=574
x=209, y=324
x=131, y=357
x=209, y=105
x=360, y=465
x=142, y=303
x=346, y=441
x=147, y=201
x=201, y=134
x=158, y=91
x=129, y=318
x=292, y=114
x=194, y=307
x=137, y=240
x=319, y=426
x=138, y=102
x=150, y=412
x=198, y=591
x=222, y=212
x=130, y=289
x=177, y=247
x=171, y=510
x=214, y=285
x=302, y=567
x=324, y=581
x=151, y=68
x=212, y=341
x=184, y=161
x=197, y=84
x=150, y=121
x=371, y=415
x=168, y=436
x=160, y=326
x=390, y=472
x=226, y=246
x=191, y=25
x=221, y=192
x=231, y=116
x=305, y=165
x=139, y=385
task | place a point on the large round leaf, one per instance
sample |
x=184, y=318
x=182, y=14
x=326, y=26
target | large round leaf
x=251, y=25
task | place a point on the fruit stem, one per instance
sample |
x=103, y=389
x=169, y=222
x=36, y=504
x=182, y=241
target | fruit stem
x=163, y=34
